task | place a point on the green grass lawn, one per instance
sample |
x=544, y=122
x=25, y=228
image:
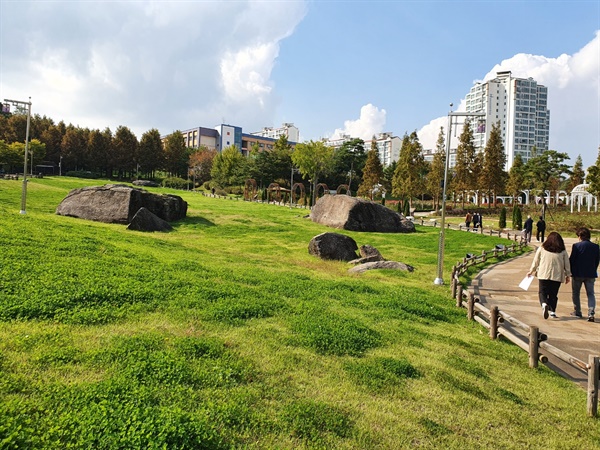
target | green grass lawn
x=226, y=333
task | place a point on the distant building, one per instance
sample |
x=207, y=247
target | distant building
x=521, y=107
x=387, y=144
x=224, y=135
x=287, y=129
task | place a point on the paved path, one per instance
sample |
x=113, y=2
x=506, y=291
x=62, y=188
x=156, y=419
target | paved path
x=497, y=285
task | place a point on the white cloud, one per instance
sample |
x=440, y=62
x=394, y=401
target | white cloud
x=573, y=83
x=146, y=64
x=371, y=122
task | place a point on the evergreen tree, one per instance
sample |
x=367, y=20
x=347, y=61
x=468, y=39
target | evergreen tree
x=99, y=151
x=465, y=155
x=151, y=155
x=593, y=176
x=409, y=178
x=517, y=218
x=516, y=178
x=577, y=174
x=493, y=175
x=435, y=176
x=176, y=155
x=125, y=146
x=372, y=173
x=228, y=167
x=502, y=219
x=388, y=176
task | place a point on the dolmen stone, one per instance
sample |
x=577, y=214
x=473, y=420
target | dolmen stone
x=144, y=220
x=393, y=265
x=147, y=183
x=354, y=214
x=368, y=253
x=118, y=203
x=333, y=246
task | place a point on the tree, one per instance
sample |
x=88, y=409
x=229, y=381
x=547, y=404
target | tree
x=372, y=173
x=176, y=155
x=228, y=168
x=201, y=161
x=73, y=148
x=434, y=182
x=502, y=219
x=593, y=177
x=464, y=179
x=268, y=166
x=125, y=146
x=348, y=164
x=517, y=218
x=388, y=176
x=545, y=171
x=577, y=174
x=313, y=159
x=151, y=154
x=99, y=151
x=516, y=178
x=409, y=178
x=11, y=155
x=36, y=153
x=493, y=175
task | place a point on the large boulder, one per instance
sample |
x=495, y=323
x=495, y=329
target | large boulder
x=351, y=213
x=117, y=203
x=144, y=220
x=390, y=265
x=333, y=246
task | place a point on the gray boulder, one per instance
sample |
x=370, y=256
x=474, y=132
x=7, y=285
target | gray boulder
x=147, y=183
x=333, y=246
x=351, y=213
x=144, y=220
x=368, y=253
x=393, y=265
x=117, y=203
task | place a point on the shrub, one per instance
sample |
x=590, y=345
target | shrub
x=517, y=218
x=82, y=174
x=175, y=183
x=502, y=219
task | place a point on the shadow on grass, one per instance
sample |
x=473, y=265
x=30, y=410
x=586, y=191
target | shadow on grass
x=193, y=221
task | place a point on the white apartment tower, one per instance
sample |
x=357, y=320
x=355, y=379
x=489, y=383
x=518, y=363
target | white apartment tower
x=388, y=146
x=287, y=129
x=521, y=107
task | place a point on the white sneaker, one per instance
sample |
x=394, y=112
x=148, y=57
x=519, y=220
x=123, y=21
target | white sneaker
x=553, y=315
x=545, y=310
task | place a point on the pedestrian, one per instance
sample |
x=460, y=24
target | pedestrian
x=585, y=256
x=541, y=229
x=528, y=228
x=475, y=221
x=468, y=219
x=552, y=267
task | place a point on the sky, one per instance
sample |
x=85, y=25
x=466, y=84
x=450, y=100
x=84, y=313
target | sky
x=329, y=67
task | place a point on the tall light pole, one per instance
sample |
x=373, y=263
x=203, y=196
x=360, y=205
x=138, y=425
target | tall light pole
x=440, y=267
x=21, y=105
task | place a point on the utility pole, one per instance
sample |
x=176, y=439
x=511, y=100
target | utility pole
x=20, y=105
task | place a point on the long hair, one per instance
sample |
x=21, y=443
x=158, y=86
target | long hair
x=554, y=243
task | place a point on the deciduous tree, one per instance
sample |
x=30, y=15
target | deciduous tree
x=372, y=173
x=409, y=178
x=313, y=159
x=493, y=175
x=434, y=182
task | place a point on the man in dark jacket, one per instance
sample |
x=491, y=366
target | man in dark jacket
x=528, y=228
x=541, y=229
x=584, y=259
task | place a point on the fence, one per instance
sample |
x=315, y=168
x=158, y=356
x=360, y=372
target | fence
x=532, y=341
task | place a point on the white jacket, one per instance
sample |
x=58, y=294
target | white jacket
x=551, y=266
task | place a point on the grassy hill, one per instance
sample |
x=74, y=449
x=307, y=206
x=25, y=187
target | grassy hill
x=226, y=333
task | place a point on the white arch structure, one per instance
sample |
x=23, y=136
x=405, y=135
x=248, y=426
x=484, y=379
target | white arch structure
x=581, y=196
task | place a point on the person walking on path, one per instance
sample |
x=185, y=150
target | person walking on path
x=552, y=267
x=475, y=221
x=528, y=228
x=468, y=219
x=585, y=256
x=541, y=229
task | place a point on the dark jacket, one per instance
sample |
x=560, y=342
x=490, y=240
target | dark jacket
x=528, y=225
x=541, y=225
x=584, y=258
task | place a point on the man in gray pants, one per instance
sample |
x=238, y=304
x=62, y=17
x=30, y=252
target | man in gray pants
x=584, y=259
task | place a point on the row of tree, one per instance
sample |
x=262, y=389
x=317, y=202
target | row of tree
x=411, y=177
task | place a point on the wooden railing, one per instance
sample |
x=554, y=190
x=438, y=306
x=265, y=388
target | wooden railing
x=531, y=340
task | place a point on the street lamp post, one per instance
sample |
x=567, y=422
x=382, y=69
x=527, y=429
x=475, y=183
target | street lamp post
x=20, y=104
x=440, y=267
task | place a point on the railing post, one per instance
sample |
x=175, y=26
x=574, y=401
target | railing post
x=534, y=346
x=453, y=286
x=494, y=322
x=471, y=306
x=593, y=374
x=459, y=296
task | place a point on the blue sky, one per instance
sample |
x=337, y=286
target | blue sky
x=327, y=66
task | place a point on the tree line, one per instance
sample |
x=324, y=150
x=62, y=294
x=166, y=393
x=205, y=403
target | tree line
x=121, y=155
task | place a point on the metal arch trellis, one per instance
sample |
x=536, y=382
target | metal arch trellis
x=345, y=188
x=295, y=196
x=250, y=189
x=319, y=187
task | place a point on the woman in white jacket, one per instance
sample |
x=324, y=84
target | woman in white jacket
x=552, y=267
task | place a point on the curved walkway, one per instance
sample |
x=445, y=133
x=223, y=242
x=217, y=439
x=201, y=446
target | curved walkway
x=498, y=285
